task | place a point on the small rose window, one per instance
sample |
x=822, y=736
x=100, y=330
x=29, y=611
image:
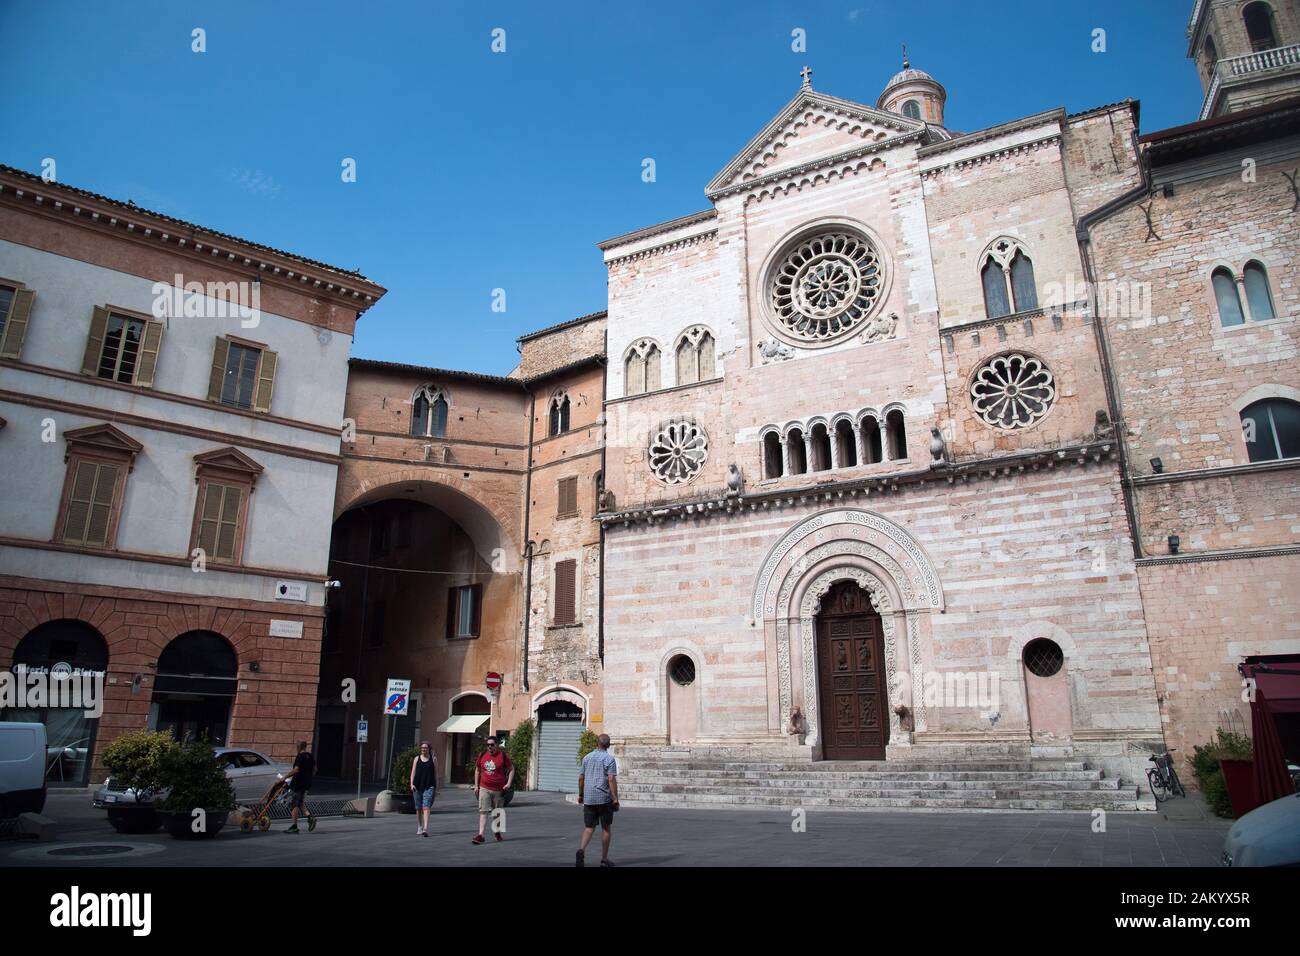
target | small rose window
x=1013, y=391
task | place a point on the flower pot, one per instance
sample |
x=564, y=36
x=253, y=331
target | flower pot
x=136, y=818
x=1239, y=777
x=181, y=825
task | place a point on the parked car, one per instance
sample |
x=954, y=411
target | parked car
x=22, y=768
x=1267, y=836
x=250, y=772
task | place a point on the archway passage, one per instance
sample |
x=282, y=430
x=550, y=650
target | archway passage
x=76, y=650
x=195, y=688
x=851, y=679
x=559, y=732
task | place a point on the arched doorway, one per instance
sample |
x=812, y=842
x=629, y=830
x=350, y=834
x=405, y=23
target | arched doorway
x=1047, y=693
x=683, y=700
x=74, y=649
x=194, y=691
x=852, y=684
x=559, y=731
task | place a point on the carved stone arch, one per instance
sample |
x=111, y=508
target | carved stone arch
x=866, y=413
x=790, y=426
x=1261, y=392
x=567, y=693
x=818, y=420
x=1002, y=249
x=894, y=407
x=1011, y=668
x=432, y=391
x=686, y=648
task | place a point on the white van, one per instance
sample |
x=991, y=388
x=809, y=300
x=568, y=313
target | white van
x=22, y=769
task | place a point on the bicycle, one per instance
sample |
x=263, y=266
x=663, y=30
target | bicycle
x=1163, y=778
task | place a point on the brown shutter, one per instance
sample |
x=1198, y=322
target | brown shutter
x=101, y=508
x=220, y=355
x=209, y=517
x=15, y=328
x=80, y=500
x=565, y=579
x=451, y=612
x=265, y=381
x=227, y=539
x=147, y=364
x=567, y=495
x=95, y=342
x=476, y=621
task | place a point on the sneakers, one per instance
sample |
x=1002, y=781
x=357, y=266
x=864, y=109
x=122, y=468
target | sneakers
x=292, y=829
x=311, y=824
x=499, y=837
x=581, y=860
x=606, y=862
x=424, y=833
x=419, y=830
x=477, y=839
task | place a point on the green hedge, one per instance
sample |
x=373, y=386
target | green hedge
x=1208, y=769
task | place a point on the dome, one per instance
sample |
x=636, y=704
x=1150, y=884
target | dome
x=908, y=73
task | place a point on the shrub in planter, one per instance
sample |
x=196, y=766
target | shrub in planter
x=196, y=780
x=135, y=762
x=588, y=742
x=1208, y=769
x=399, y=780
x=519, y=748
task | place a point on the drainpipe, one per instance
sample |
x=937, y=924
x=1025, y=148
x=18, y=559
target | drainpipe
x=528, y=544
x=1083, y=234
x=604, y=477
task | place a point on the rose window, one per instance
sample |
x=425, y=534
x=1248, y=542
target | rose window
x=1013, y=391
x=678, y=452
x=826, y=285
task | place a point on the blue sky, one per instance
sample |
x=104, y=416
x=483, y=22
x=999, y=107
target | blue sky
x=479, y=170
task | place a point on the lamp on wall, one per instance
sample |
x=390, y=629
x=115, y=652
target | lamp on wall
x=1157, y=466
x=1174, y=542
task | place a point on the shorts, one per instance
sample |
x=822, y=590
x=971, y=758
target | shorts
x=489, y=800
x=593, y=813
x=297, y=798
x=423, y=798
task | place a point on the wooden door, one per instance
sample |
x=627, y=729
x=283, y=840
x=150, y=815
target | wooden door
x=854, y=705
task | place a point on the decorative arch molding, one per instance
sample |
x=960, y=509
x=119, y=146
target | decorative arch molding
x=681, y=647
x=1261, y=392
x=565, y=692
x=854, y=530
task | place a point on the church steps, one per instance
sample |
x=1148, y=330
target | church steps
x=848, y=781
x=865, y=800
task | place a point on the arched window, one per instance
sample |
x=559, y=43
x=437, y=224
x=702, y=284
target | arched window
x=641, y=368
x=798, y=455
x=1259, y=26
x=773, y=458
x=896, y=435
x=1007, y=276
x=1225, y=293
x=559, y=415
x=846, y=446
x=1258, y=296
x=912, y=109
x=195, y=687
x=821, y=448
x=1209, y=55
x=1271, y=429
x=429, y=413
x=695, y=356
x=872, y=450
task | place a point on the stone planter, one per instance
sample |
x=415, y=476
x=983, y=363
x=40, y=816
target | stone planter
x=180, y=825
x=133, y=818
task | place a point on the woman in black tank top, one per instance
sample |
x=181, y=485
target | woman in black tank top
x=424, y=782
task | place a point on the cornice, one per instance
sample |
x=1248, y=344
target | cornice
x=1222, y=471
x=790, y=175
x=993, y=132
x=1236, y=554
x=715, y=504
x=1056, y=311
x=670, y=246
x=1008, y=150
x=125, y=221
x=657, y=229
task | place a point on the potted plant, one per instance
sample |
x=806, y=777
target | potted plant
x=399, y=780
x=519, y=748
x=1223, y=773
x=196, y=781
x=135, y=765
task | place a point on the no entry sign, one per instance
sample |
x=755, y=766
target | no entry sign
x=396, y=696
x=493, y=681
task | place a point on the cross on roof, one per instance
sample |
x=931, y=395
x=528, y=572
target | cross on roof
x=806, y=73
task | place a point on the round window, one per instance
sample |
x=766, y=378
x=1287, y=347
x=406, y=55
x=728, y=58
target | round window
x=682, y=670
x=1043, y=658
x=678, y=452
x=1012, y=391
x=825, y=285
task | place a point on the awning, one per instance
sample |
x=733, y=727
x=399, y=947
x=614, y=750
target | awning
x=463, y=723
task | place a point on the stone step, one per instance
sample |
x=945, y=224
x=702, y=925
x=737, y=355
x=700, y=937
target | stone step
x=873, y=783
x=877, y=789
x=883, y=774
x=860, y=766
x=1083, y=802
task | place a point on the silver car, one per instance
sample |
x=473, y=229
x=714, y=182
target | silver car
x=1267, y=836
x=250, y=772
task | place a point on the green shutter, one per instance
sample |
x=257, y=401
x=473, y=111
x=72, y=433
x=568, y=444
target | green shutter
x=101, y=506
x=220, y=353
x=95, y=342
x=209, y=517
x=79, y=502
x=265, y=381
x=15, y=326
x=147, y=364
x=226, y=536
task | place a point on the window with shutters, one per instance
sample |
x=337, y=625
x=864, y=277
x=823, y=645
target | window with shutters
x=99, y=458
x=243, y=374
x=122, y=347
x=464, y=611
x=567, y=498
x=15, y=312
x=225, y=479
x=566, y=599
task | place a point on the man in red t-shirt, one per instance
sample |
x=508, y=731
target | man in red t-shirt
x=493, y=775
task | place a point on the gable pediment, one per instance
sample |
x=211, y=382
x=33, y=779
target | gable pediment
x=227, y=459
x=811, y=127
x=104, y=438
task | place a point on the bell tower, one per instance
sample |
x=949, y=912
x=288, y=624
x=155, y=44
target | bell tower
x=1246, y=54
